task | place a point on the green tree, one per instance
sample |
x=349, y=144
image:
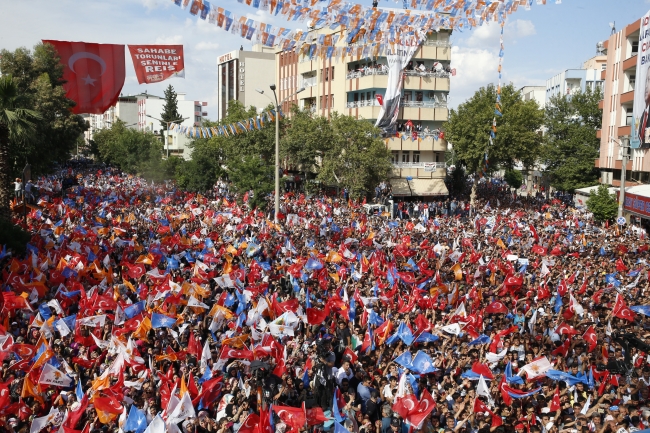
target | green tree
x=170, y=109
x=251, y=173
x=602, y=204
x=38, y=75
x=134, y=152
x=358, y=158
x=571, y=144
x=305, y=140
x=16, y=124
x=517, y=137
x=514, y=178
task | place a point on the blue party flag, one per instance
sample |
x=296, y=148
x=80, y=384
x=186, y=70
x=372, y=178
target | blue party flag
x=161, y=321
x=305, y=379
x=482, y=339
x=510, y=378
x=338, y=428
x=422, y=363
x=426, y=337
x=404, y=360
x=79, y=392
x=136, y=421
x=207, y=375
x=134, y=309
x=335, y=410
x=641, y=309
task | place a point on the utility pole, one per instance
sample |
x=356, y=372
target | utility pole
x=625, y=150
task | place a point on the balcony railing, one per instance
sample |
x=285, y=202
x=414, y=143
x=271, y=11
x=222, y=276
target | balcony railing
x=383, y=70
x=432, y=74
x=425, y=165
x=309, y=82
x=425, y=104
x=443, y=44
x=366, y=103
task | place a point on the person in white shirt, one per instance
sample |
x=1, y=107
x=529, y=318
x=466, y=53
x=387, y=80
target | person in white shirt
x=345, y=372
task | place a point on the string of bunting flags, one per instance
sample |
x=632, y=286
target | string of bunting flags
x=229, y=130
x=370, y=31
x=497, y=109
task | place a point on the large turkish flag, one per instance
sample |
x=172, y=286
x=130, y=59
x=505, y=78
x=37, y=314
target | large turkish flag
x=94, y=74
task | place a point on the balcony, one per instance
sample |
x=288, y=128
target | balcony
x=629, y=63
x=420, y=170
x=627, y=97
x=429, y=166
x=624, y=130
x=382, y=70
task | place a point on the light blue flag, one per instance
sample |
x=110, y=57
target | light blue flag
x=79, y=392
x=161, y=321
x=510, y=378
x=335, y=410
x=422, y=363
x=136, y=421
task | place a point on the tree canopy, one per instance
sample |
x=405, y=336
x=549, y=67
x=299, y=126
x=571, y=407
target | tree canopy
x=170, y=109
x=571, y=145
x=133, y=151
x=38, y=76
x=517, y=140
x=602, y=204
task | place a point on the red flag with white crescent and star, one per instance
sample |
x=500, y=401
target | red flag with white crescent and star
x=93, y=73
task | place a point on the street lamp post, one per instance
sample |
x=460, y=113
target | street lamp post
x=277, y=143
x=168, y=123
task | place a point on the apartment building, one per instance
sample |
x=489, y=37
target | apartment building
x=618, y=96
x=126, y=109
x=241, y=73
x=350, y=85
x=192, y=111
x=589, y=76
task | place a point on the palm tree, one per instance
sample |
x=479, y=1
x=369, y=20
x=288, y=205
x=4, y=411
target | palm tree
x=16, y=124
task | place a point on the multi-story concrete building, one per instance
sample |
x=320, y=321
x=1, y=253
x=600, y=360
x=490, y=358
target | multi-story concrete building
x=241, y=73
x=126, y=109
x=619, y=78
x=350, y=85
x=573, y=80
x=191, y=111
x=536, y=93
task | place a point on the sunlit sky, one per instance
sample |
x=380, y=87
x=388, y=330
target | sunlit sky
x=539, y=43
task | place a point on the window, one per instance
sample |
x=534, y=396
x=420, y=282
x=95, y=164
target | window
x=405, y=157
x=635, y=48
x=628, y=118
x=416, y=156
x=394, y=157
x=419, y=96
x=407, y=96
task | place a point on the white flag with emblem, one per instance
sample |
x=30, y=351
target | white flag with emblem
x=53, y=376
x=183, y=410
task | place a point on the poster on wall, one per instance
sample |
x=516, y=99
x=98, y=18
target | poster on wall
x=397, y=59
x=641, y=110
x=155, y=63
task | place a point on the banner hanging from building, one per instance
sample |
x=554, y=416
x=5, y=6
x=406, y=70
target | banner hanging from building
x=397, y=57
x=641, y=125
x=93, y=73
x=155, y=63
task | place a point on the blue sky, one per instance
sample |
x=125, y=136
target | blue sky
x=538, y=43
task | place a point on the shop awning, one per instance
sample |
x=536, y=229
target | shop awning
x=418, y=187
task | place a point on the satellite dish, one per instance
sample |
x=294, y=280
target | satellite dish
x=613, y=27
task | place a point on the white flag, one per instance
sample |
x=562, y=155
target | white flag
x=93, y=321
x=483, y=390
x=206, y=356
x=193, y=302
x=156, y=426
x=585, y=408
x=539, y=367
x=50, y=375
x=454, y=329
x=39, y=423
x=532, y=321
x=62, y=327
x=183, y=410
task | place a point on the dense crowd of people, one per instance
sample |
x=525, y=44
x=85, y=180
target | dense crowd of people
x=141, y=306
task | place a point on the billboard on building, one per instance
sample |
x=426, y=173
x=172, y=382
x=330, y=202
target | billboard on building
x=397, y=57
x=641, y=110
x=155, y=63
